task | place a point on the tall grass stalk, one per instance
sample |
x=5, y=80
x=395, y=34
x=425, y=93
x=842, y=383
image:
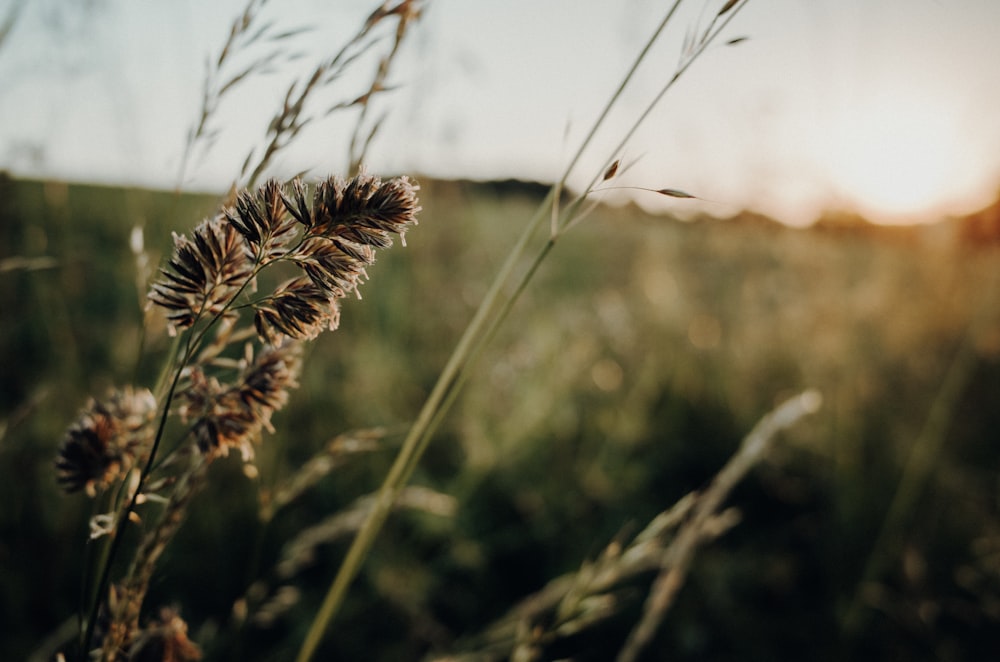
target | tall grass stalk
x=677, y=558
x=490, y=314
x=222, y=402
x=125, y=513
x=667, y=545
x=265, y=45
x=116, y=445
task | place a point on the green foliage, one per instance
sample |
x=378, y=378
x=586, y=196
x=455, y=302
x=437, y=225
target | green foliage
x=622, y=381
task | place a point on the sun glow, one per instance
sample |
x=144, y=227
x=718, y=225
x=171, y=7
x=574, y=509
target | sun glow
x=894, y=160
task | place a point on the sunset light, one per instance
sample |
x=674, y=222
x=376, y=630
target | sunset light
x=691, y=352
x=894, y=159
x=812, y=107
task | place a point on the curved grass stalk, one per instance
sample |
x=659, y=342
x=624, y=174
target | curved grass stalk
x=678, y=556
x=491, y=313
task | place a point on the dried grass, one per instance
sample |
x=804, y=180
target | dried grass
x=226, y=402
x=667, y=545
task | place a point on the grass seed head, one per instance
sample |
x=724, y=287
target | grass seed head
x=106, y=440
x=165, y=639
x=232, y=416
x=204, y=273
x=298, y=309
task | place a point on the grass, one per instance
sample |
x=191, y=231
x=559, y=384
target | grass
x=605, y=376
x=548, y=462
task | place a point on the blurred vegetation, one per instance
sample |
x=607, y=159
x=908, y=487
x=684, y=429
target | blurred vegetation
x=643, y=353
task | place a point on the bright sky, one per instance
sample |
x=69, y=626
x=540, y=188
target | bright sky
x=891, y=107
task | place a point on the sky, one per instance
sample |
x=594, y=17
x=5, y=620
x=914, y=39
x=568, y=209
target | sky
x=890, y=108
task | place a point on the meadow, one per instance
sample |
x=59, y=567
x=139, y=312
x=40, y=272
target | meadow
x=623, y=379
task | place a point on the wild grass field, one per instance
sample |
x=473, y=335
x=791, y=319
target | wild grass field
x=625, y=377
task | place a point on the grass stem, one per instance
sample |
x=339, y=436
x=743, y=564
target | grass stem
x=489, y=316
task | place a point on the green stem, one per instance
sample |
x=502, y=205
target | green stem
x=414, y=444
x=617, y=94
x=709, y=38
x=490, y=314
x=486, y=337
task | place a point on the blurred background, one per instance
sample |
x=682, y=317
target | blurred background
x=844, y=238
x=885, y=107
